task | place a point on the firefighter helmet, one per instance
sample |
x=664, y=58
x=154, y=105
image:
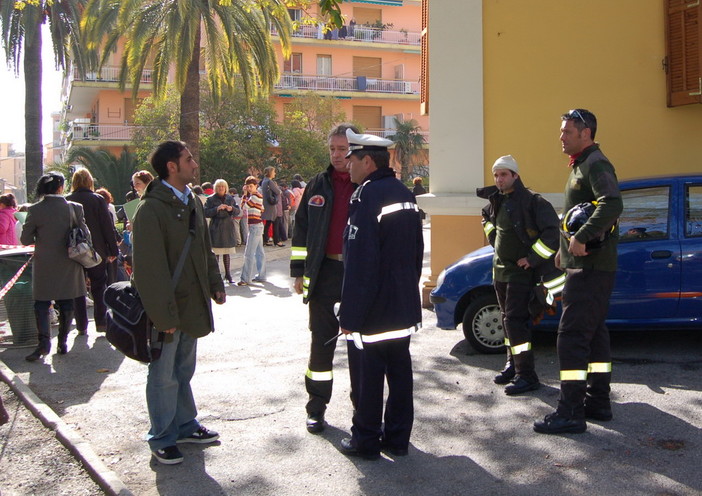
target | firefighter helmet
x=577, y=217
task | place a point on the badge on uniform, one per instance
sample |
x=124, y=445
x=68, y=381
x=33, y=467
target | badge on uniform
x=317, y=201
x=352, y=232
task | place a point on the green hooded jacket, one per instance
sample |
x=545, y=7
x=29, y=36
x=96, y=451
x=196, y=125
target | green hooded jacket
x=160, y=228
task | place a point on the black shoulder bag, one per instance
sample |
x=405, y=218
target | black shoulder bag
x=128, y=327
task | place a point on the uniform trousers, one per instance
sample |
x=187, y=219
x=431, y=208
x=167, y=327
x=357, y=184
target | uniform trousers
x=324, y=325
x=379, y=361
x=583, y=342
x=514, y=299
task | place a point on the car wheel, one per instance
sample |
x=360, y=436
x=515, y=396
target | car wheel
x=482, y=325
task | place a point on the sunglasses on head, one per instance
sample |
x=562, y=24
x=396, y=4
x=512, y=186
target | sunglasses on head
x=576, y=113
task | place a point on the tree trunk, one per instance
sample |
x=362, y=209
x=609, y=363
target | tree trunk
x=189, y=127
x=33, y=151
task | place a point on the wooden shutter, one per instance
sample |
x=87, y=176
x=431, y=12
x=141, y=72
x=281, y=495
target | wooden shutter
x=293, y=64
x=365, y=15
x=371, y=67
x=368, y=117
x=683, y=54
x=424, y=78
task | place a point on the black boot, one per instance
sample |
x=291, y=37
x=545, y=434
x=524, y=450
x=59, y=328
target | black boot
x=65, y=320
x=525, y=379
x=44, y=334
x=507, y=373
x=597, y=404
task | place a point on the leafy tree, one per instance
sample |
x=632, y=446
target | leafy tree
x=20, y=24
x=238, y=48
x=314, y=112
x=110, y=172
x=408, y=145
x=155, y=120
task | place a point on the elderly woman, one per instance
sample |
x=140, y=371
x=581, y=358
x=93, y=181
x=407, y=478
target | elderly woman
x=54, y=276
x=221, y=208
x=102, y=231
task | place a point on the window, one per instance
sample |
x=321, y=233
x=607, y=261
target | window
x=693, y=212
x=324, y=65
x=683, y=61
x=293, y=64
x=295, y=15
x=371, y=67
x=365, y=15
x=368, y=117
x=645, y=214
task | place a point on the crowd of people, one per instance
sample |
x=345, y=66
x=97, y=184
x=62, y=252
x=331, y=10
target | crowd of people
x=356, y=259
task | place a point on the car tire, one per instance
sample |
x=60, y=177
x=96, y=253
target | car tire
x=482, y=325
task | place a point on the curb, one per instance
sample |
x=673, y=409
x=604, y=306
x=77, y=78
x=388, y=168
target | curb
x=79, y=447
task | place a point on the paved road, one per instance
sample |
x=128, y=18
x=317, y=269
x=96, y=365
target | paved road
x=469, y=438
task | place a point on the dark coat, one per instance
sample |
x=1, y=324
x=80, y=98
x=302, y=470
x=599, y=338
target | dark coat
x=159, y=231
x=383, y=251
x=54, y=275
x=99, y=221
x=221, y=226
x=270, y=211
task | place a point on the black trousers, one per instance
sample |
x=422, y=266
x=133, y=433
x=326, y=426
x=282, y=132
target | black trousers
x=514, y=306
x=98, y=283
x=324, y=325
x=583, y=342
x=379, y=361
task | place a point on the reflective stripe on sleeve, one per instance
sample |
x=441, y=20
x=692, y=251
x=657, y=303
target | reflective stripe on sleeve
x=599, y=367
x=573, y=375
x=555, y=286
x=305, y=286
x=396, y=207
x=319, y=376
x=488, y=227
x=520, y=348
x=298, y=253
x=542, y=250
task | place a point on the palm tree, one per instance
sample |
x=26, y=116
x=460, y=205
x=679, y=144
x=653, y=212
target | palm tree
x=167, y=34
x=110, y=172
x=408, y=143
x=20, y=24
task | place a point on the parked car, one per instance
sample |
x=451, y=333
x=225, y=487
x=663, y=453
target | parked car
x=659, y=277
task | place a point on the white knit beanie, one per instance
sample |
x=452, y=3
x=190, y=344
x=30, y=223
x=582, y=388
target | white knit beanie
x=506, y=162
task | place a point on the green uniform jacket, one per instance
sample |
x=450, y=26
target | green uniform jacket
x=592, y=178
x=160, y=228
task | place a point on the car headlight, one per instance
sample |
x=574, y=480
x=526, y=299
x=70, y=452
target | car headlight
x=440, y=279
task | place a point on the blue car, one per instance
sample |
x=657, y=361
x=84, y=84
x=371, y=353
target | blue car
x=659, y=277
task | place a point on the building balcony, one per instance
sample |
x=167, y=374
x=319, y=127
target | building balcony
x=359, y=34
x=94, y=135
x=386, y=133
x=333, y=84
x=109, y=74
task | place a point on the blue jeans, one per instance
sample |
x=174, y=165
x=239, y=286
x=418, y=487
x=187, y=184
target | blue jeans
x=254, y=254
x=169, y=398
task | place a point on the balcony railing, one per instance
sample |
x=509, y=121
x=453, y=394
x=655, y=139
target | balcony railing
x=103, y=132
x=109, y=74
x=333, y=83
x=386, y=133
x=359, y=33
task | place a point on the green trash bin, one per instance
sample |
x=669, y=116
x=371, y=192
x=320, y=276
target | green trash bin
x=18, y=301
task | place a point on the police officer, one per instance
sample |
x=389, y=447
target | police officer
x=523, y=228
x=380, y=303
x=317, y=265
x=583, y=337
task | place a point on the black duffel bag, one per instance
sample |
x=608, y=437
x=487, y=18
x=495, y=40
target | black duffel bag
x=128, y=328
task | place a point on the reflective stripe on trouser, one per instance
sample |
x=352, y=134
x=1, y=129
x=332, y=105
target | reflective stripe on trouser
x=384, y=360
x=323, y=326
x=583, y=340
x=513, y=299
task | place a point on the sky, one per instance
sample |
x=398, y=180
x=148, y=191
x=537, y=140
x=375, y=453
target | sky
x=12, y=122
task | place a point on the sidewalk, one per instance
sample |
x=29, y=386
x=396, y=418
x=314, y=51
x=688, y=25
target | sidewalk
x=469, y=438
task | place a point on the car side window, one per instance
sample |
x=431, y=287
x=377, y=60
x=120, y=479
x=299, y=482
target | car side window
x=645, y=214
x=693, y=212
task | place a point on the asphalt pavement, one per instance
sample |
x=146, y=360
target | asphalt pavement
x=468, y=438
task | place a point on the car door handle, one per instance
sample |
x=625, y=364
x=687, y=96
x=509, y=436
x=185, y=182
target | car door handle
x=661, y=254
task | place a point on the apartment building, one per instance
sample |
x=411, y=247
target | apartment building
x=12, y=172
x=371, y=65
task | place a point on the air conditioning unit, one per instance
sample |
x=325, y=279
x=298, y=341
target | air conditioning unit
x=408, y=87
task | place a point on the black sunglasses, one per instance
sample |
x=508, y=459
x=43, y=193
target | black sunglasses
x=576, y=113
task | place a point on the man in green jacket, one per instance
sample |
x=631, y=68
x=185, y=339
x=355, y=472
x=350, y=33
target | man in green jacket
x=589, y=256
x=168, y=214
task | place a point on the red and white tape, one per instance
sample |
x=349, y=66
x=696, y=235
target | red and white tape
x=12, y=281
x=12, y=247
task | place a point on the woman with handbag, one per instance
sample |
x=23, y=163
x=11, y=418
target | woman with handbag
x=221, y=208
x=102, y=232
x=54, y=276
x=271, y=197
